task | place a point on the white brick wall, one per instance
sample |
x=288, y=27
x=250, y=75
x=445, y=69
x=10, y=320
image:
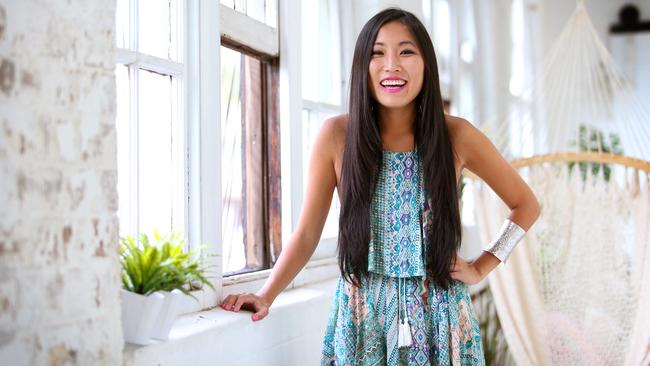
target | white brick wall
x=59, y=271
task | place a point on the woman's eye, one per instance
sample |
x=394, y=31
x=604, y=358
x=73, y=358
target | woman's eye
x=377, y=53
x=408, y=52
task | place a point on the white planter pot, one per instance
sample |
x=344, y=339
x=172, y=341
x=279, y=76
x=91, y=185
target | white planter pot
x=138, y=315
x=167, y=315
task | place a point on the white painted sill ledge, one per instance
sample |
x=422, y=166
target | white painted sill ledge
x=292, y=331
x=219, y=337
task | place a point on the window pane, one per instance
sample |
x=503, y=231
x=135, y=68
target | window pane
x=271, y=9
x=232, y=162
x=240, y=5
x=441, y=33
x=245, y=243
x=264, y=11
x=157, y=157
x=158, y=24
x=255, y=10
x=122, y=22
x=310, y=59
x=330, y=39
x=321, y=60
x=312, y=122
x=123, y=129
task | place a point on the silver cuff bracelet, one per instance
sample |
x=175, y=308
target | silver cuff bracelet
x=509, y=235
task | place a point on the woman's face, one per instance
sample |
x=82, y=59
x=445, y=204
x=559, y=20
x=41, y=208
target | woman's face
x=396, y=67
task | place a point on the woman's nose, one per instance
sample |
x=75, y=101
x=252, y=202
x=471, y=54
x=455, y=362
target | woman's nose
x=393, y=64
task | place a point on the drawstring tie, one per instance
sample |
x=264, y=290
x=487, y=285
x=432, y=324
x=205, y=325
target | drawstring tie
x=404, y=329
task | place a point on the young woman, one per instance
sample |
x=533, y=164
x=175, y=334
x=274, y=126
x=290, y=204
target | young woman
x=396, y=160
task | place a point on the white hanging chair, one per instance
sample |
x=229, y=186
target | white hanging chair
x=576, y=290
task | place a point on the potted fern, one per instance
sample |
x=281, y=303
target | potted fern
x=154, y=277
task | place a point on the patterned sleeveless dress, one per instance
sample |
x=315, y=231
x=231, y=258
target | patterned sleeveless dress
x=364, y=323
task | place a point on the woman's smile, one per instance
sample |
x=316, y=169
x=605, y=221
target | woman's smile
x=393, y=84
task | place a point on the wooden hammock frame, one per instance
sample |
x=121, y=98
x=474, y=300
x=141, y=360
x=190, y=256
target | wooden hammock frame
x=575, y=157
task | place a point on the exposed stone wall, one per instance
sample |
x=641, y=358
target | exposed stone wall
x=59, y=270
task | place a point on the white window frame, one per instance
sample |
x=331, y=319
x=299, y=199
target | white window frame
x=198, y=75
x=204, y=107
x=245, y=30
x=197, y=78
x=290, y=106
x=204, y=150
x=136, y=61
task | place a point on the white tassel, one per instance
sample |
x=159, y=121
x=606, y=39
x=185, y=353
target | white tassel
x=404, y=328
x=404, y=334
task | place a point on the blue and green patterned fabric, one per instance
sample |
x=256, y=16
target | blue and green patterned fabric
x=362, y=325
x=362, y=328
x=395, y=217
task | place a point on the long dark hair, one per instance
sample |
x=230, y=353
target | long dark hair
x=363, y=152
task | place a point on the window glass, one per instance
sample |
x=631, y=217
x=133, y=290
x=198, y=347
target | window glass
x=245, y=225
x=158, y=21
x=321, y=53
x=312, y=122
x=232, y=214
x=150, y=129
x=122, y=27
x=264, y=11
x=157, y=137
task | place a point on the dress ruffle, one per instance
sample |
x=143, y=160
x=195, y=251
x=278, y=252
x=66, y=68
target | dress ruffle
x=362, y=328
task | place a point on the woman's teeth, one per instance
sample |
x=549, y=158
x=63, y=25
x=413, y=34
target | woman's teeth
x=393, y=82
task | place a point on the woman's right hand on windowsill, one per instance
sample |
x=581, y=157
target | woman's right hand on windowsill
x=247, y=301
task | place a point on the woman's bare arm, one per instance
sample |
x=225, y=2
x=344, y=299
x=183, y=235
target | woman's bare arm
x=481, y=157
x=303, y=241
x=318, y=197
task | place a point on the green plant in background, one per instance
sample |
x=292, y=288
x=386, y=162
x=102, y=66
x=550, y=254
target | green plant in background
x=495, y=348
x=593, y=140
x=162, y=266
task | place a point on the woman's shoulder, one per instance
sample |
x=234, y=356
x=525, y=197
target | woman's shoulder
x=456, y=125
x=462, y=134
x=335, y=129
x=337, y=125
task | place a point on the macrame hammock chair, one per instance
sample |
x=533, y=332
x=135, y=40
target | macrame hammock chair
x=576, y=289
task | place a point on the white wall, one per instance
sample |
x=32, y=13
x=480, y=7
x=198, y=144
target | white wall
x=629, y=51
x=555, y=14
x=59, y=299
